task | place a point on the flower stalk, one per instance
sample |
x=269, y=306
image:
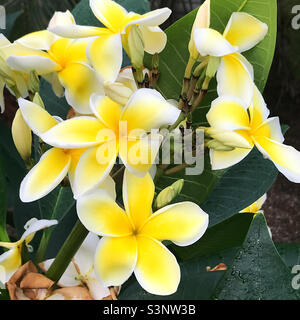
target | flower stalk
x=67, y=252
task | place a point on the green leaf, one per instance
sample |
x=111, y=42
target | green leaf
x=217, y=238
x=289, y=252
x=56, y=206
x=4, y=295
x=196, y=283
x=257, y=272
x=3, y=233
x=240, y=186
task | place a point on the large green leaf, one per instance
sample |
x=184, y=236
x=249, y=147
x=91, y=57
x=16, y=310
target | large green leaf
x=196, y=283
x=240, y=186
x=289, y=252
x=257, y=272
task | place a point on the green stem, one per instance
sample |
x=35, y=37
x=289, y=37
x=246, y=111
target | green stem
x=181, y=117
x=41, y=251
x=67, y=252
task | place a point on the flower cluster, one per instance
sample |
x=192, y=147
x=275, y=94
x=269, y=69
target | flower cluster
x=117, y=116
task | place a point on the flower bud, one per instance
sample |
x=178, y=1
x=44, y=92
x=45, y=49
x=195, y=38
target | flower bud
x=34, y=82
x=168, y=194
x=218, y=146
x=202, y=21
x=37, y=99
x=136, y=47
x=22, y=137
x=212, y=67
x=61, y=19
x=118, y=92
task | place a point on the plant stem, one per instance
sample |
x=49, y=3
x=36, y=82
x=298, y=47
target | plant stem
x=41, y=251
x=67, y=252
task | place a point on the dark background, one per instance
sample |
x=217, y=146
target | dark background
x=282, y=208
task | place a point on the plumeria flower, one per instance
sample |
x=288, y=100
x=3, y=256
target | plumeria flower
x=132, y=237
x=11, y=260
x=105, y=52
x=233, y=126
x=55, y=164
x=115, y=131
x=16, y=82
x=202, y=20
x=256, y=206
x=235, y=73
x=80, y=271
x=62, y=62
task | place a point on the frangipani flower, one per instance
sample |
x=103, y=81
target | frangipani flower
x=11, y=259
x=256, y=206
x=115, y=131
x=233, y=126
x=15, y=81
x=235, y=73
x=132, y=237
x=62, y=62
x=55, y=164
x=105, y=53
x=81, y=269
x=202, y=20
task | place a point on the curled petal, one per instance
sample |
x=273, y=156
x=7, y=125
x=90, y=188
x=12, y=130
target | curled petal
x=34, y=226
x=245, y=31
x=154, y=39
x=161, y=277
x=45, y=175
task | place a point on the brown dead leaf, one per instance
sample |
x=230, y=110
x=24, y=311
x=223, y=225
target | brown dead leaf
x=219, y=267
